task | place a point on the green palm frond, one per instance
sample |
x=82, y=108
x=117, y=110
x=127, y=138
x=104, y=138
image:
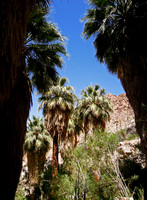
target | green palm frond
x=93, y=108
x=84, y=93
x=43, y=3
x=58, y=105
x=75, y=127
x=63, y=81
x=110, y=22
x=37, y=137
x=44, y=47
x=89, y=90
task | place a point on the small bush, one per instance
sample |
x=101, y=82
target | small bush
x=89, y=171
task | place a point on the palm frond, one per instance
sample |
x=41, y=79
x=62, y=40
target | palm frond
x=93, y=108
x=43, y=3
x=58, y=104
x=44, y=47
x=63, y=81
x=110, y=22
x=37, y=137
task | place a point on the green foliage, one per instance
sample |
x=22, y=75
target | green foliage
x=43, y=3
x=132, y=136
x=20, y=195
x=37, y=137
x=93, y=108
x=44, y=46
x=63, y=186
x=92, y=111
x=58, y=105
x=60, y=96
x=123, y=135
x=88, y=170
x=119, y=28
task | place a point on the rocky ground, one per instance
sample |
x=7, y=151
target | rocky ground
x=131, y=150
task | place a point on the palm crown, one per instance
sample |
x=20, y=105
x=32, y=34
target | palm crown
x=58, y=104
x=119, y=29
x=93, y=108
x=37, y=137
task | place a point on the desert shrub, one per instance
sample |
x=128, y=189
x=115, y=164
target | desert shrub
x=89, y=171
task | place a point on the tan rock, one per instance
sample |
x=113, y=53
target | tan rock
x=122, y=116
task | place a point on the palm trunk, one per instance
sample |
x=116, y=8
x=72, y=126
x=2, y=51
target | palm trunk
x=32, y=163
x=14, y=92
x=55, y=164
x=134, y=80
x=76, y=141
x=13, y=116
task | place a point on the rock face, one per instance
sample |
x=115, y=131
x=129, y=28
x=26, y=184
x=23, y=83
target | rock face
x=131, y=149
x=122, y=116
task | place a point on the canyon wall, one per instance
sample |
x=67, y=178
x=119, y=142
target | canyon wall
x=122, y=116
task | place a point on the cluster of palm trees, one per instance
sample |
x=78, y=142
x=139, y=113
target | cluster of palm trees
x=66, y=116
x=119, y=28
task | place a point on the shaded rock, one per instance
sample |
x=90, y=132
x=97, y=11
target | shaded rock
x=131, y=149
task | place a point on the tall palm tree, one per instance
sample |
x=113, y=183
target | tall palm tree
x=119, y=28
x=44, y=46
x=15, y=94
x=37, y=143
x=93, y=108
x=58, y=105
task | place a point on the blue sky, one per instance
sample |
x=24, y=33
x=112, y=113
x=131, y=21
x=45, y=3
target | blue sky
x=82, y=67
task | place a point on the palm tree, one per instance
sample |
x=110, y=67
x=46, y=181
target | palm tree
x=58, y=105
x=37, y=143
x=15, y=94
x=75, y=128
x=44, y=46
x=93, y=109
x=119, y=28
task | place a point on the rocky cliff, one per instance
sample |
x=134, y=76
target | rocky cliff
x=122, y=116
